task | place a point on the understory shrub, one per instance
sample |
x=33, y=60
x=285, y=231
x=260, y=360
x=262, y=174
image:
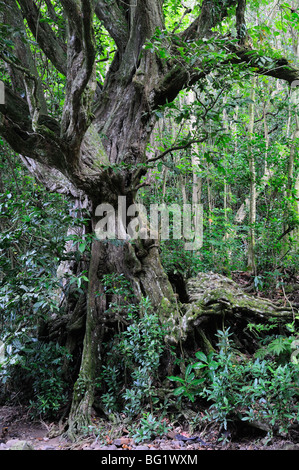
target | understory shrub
x=149, y=428
x=241, y=388
x=36, y=370
x=129, y=374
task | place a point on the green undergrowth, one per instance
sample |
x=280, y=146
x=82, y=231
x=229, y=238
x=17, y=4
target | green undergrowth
x=262, y=390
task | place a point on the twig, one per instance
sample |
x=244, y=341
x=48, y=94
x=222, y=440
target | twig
x=178, y=147
x=186, y=12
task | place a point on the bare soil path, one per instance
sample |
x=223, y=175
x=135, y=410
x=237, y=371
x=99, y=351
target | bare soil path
x=19, y=432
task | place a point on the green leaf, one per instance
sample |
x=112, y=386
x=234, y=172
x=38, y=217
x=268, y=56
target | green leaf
x=188, y=370
x=201, y=356
x=82, y=247
x=199, y=365
x=198, y=381
x=176, y=379
x=179, y=391
x=190, y=377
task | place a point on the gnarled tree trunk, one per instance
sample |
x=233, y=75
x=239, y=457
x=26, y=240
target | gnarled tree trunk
x=141, y=266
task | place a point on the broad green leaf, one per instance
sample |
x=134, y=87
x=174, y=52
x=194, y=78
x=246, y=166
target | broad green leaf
x=201, y=356
x=178, y=391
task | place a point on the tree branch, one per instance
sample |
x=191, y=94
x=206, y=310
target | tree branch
x=240, y=20
x=81, y=83
x=114, y=21
x=180, y=74
x=23, y=72
x=212, y=13
x=31, y=84
x=276, y=68
x=53, y=48
x=43, y=144
x=178, y=147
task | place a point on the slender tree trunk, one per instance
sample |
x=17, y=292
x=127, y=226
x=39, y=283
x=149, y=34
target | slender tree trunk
x=252, y=205
x=292, y=191
x=195, y=161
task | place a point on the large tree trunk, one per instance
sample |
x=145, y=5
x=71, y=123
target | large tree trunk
x=140, y=264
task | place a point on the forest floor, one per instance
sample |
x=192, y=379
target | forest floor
x=19, y=432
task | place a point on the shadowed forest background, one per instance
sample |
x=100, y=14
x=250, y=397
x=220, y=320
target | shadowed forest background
x=163, y=102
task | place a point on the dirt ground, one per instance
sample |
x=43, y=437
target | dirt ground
x=16, y=426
